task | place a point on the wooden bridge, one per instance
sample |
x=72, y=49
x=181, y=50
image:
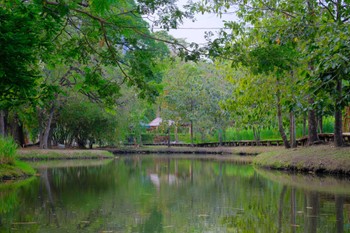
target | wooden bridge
x=325, y=137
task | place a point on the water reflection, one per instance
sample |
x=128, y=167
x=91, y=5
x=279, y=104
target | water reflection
x=321, y=194
x=160, y=194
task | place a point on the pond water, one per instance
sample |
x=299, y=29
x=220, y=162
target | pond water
x=163, y=194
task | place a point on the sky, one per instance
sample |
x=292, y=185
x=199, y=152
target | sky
x=195, y=31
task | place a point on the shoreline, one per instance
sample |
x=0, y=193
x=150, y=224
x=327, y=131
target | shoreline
x=239, y=150
x=61, y=154
x=21, y=170
x=320, y=159
x=18, y=170
x=317, y=159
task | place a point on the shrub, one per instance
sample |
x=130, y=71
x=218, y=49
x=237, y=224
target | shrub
x=8, y=149
x=85, y=122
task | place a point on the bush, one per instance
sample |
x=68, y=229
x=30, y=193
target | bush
x=147, y=138
x=85, y=122
x=8, y=149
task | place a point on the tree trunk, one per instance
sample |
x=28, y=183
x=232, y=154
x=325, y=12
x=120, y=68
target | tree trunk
x=304, y=124
x=191, y=130
x=203, y=136
x=293, y=212
x=339, y=211
x=280, y=209
x=220, y=136
x=312, y=123
x=169, y=136
x=320, y=123
x=2, y=123
x=46, y=181
x=20, y=135
x=256, y=133
x=16, y=130
x=81, y=143
x=292, y=130
x=46, y=130
x=312, y=127
x=280, y=121
x=176, y=135
x=338, y=129
x=312, y=213
x=140, y=139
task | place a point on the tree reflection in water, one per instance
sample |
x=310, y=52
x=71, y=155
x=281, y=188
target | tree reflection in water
x=162, y=194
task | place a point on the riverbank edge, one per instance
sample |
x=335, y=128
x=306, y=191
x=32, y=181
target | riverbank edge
x=325, y=159
x=62, y=154
x=21, y=170
x=18, y=170
x=321, y=159
x=240, y=150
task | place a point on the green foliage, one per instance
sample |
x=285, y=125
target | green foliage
x=125, y=186
x=147, y=138
x=251, y=104
x=328, y=125
x=9, y=198
x=85, y=122
x=22, y=42
x=302, y=44
x=8, y=150
x=95, y=48
x=192, y=93
x=248, y=134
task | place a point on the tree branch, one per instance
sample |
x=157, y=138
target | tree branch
x=327, y=8
x=62, y=30
x=278, y=10
x=158, y=39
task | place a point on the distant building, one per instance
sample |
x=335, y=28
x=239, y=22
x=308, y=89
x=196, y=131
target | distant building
x=153, y=125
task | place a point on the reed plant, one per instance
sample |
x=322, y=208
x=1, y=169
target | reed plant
x=8, y=151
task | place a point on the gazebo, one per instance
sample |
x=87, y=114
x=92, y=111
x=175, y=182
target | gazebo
x=157, y=122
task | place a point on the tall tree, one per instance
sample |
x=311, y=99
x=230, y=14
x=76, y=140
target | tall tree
x=182, y=94
x=317, y=28
x=84, y=38
x=251, y=104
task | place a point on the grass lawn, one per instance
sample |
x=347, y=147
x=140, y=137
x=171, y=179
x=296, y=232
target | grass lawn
x=321, y=158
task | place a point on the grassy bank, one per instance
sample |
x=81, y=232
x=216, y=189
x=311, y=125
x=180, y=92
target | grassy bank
x=14, y=171
x=310, y=182
x=317, y=159
x=39, y=154
x=10, y=167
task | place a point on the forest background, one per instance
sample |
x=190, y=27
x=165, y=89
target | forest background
x=90, y=73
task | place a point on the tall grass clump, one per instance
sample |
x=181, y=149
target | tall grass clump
x=8, y=150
